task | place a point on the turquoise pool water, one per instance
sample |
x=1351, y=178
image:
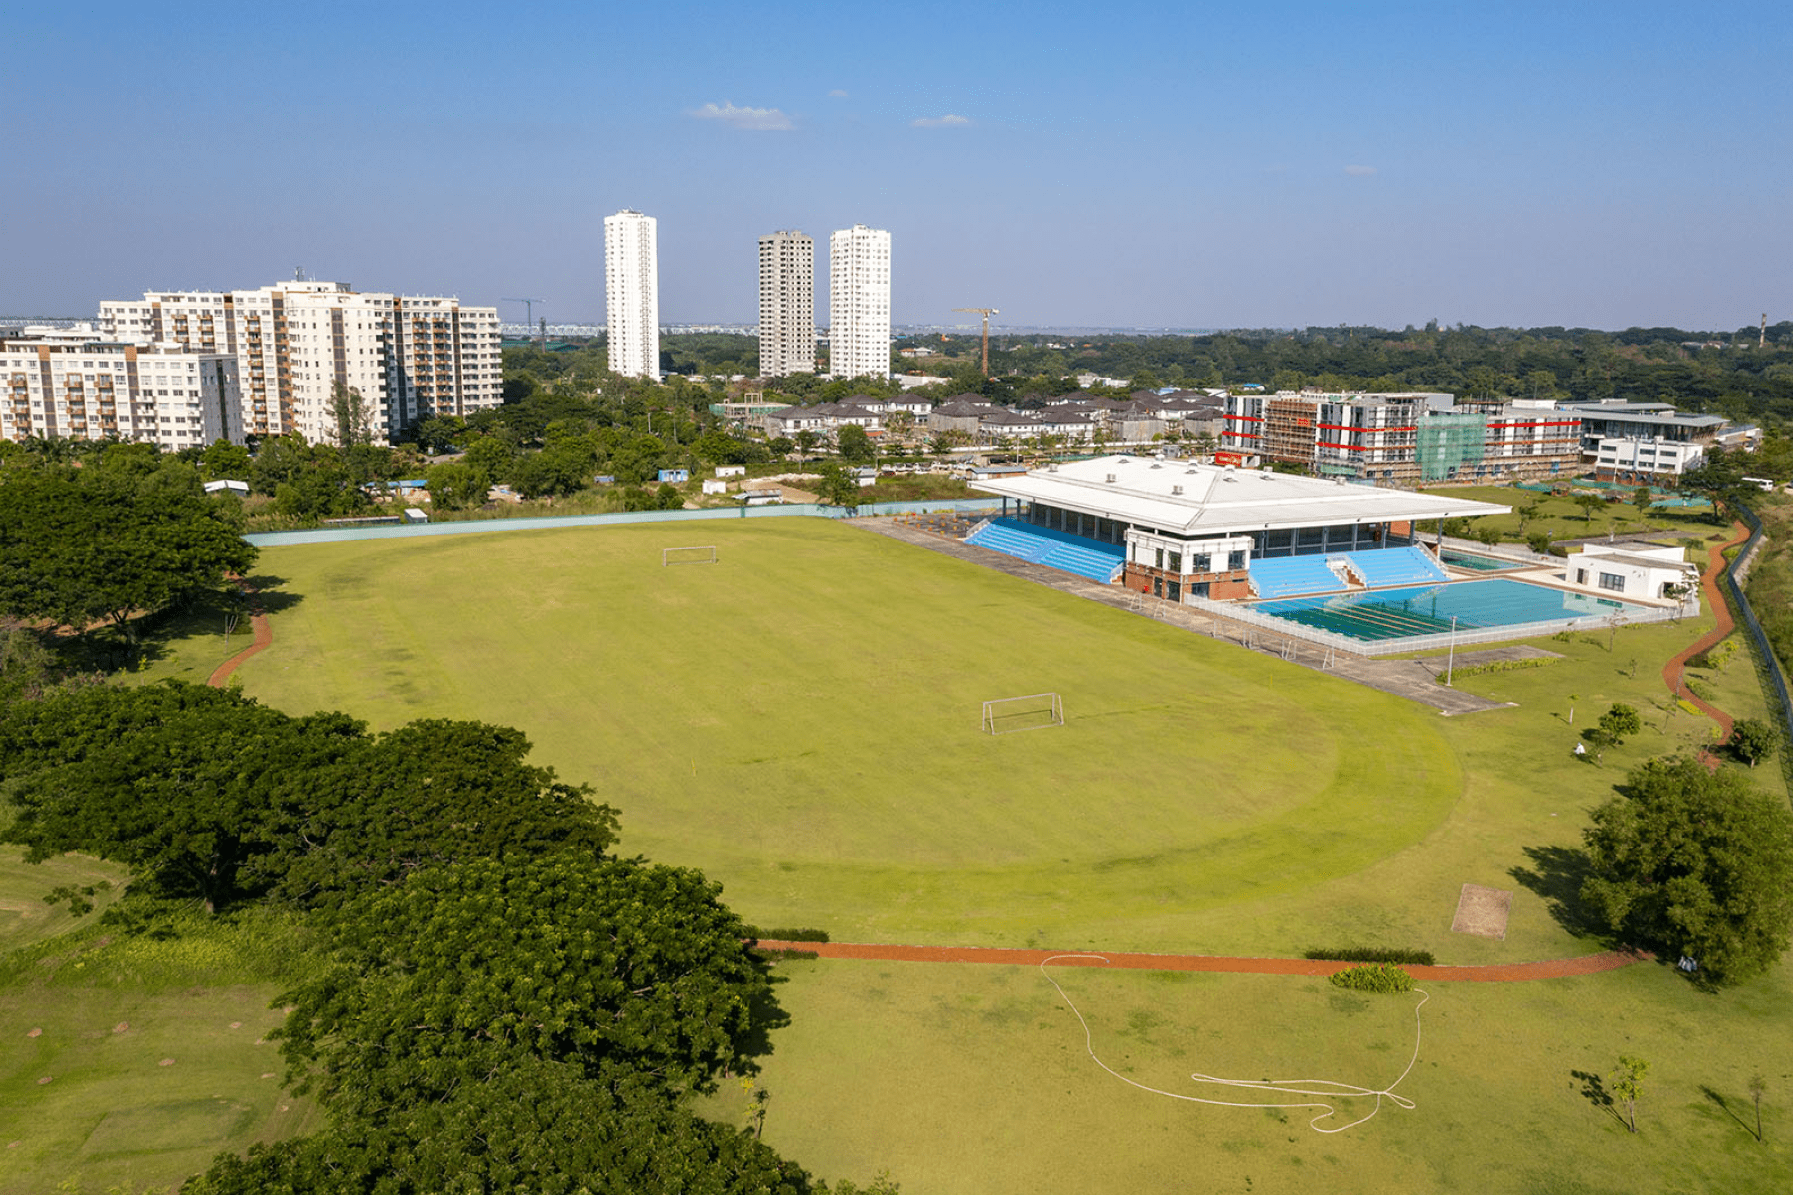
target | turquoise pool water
x=1481, y=564
x=1427, y=609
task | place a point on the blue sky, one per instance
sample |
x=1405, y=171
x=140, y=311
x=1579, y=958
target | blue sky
x=1192, y=165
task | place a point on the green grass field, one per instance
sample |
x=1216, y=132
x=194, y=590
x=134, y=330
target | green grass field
x=131, y=1060
x=801, y=721
x=1561, y=518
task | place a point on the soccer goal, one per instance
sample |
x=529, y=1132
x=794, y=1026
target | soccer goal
x=1023, y=713
x=700, y=555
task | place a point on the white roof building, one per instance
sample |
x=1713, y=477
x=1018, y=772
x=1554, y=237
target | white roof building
x=1210, y=500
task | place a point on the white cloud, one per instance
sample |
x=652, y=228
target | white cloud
x=744, y=118
x=837, y=94
x=1360, y=171
x=940, y=122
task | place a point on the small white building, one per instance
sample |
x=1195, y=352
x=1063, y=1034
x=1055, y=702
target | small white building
x=715, y=485
x=731, y=470
x=1634, y=570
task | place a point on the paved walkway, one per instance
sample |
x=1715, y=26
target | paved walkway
x=1587, y=964
x=1412, y=679
x=1709, y=583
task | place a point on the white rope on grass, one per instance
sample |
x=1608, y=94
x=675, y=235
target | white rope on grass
x=1328, y=1088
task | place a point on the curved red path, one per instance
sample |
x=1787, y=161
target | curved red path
x=1587, y=964
x=264, y=639
x=1671, y=671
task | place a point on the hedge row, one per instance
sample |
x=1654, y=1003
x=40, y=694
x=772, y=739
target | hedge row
x=1499, y=666
x=1372, y=954
x=787, y=935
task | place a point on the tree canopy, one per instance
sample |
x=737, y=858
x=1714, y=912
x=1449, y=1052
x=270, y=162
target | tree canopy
x=212, y=796
x=450, y=976
x=537, y=1126
x=1694, y=862
x=112, y=540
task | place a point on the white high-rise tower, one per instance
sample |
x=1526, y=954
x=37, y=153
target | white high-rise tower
x=787, y=304
x=632, y=294
x=859, y=303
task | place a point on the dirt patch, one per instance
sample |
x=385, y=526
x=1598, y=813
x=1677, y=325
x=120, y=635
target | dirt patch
x=1482, y=912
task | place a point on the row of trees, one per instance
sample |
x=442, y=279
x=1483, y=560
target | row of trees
x=496, y=1003
x=1736, y=378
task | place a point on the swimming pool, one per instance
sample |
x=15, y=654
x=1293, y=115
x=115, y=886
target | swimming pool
x=1481, y=564
x=1427, y=609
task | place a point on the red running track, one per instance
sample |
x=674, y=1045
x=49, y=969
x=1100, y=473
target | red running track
x=1587, y=964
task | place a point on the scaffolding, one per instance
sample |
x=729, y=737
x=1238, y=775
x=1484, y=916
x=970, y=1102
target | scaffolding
x=1448, y=443
x=1288, y=430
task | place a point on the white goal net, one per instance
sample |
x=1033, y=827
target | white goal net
x=1032, y=712
x=699, y=555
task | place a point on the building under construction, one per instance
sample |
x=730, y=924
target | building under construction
x=1404, y=438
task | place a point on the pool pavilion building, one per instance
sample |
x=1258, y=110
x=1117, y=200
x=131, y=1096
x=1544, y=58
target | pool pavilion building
x=1181, y=530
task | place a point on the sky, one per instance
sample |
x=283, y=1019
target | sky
x=1175, y=165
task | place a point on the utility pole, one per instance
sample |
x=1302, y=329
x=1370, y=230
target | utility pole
x=986, y=312
x=529, y=314
x=1762, y=340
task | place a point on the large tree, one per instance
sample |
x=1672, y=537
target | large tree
x=535, y=1126
x=431, y=792
x=184, y=784
x=78, y=546
x=209, y=795
x=445, y=979
x=1694, y=862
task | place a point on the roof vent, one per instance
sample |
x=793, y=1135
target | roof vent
x=1109, y=479
x=1052, y=467
x=1176, y=489
x=1157, y=466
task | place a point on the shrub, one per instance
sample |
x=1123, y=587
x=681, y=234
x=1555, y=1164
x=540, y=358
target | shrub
x=1700, y=688
x=1373, y=954
x=1374, y=977
x=787, y=935
x=788, y=952
x=1500, y=666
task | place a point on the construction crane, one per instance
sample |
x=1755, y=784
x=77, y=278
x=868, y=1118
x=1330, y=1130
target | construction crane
x=986, y=312
x=529, y=314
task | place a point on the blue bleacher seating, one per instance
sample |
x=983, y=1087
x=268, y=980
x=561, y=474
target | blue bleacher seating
x=1054, y=549
x=1291, y=576
x=1383, y=567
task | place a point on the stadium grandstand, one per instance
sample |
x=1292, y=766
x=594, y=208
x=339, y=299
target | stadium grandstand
x=1185, y=531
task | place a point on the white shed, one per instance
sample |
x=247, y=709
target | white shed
x=714, y=485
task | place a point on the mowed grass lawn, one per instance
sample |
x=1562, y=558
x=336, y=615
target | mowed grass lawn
x=801, y=720
x=974, y=1080
x=127, y=1063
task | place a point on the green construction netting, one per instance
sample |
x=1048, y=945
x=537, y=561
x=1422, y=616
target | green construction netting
x=1449, y=442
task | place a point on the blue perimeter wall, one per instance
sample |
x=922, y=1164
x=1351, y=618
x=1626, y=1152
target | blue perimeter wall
x=332, y=535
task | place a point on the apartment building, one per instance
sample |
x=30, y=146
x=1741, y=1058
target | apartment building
x=1402, y=438
x=296, y=342
x=787, y=304
x=80, y=384
x=859, y=303
x=632, y=293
